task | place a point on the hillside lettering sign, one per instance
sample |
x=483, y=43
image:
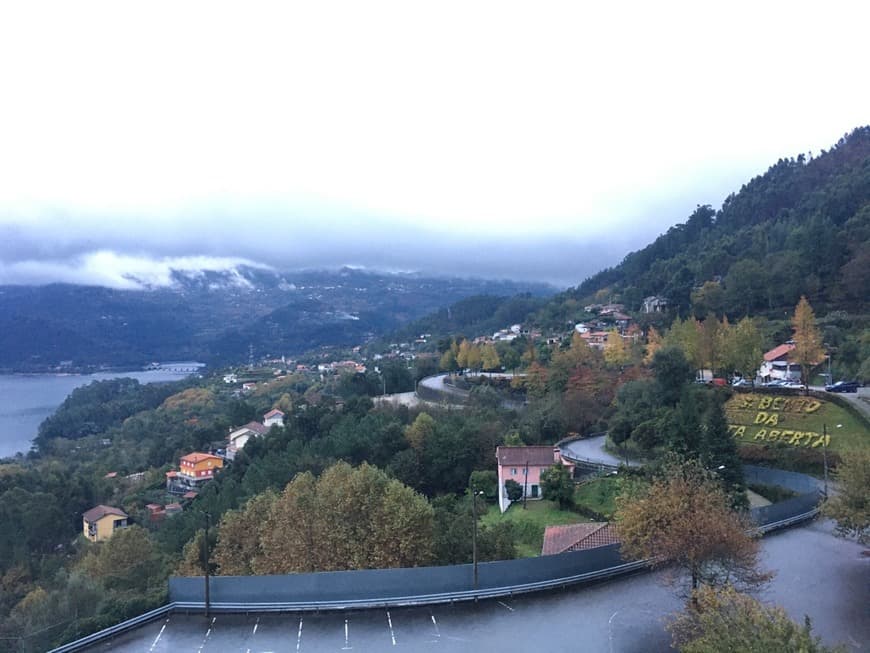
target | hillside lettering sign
x=771, y=417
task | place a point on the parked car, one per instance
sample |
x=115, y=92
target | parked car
x=773, y=384
x=843, y=386
x=737, y=383
x=796, y=385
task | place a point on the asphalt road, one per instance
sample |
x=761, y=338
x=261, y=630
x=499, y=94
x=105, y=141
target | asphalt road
x=817, y=574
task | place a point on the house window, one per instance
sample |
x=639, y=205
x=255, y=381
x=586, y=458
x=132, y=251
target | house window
x=513, y=471
x=534, y=491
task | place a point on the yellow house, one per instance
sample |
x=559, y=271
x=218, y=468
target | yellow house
x=99, y=523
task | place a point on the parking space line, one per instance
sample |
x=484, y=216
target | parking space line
x=505, y=605
x=159, y=635
x=299, y=636
x=435, y=623
x=347, y=645
x=207, y=634
x=255, y=627
x=392, y=634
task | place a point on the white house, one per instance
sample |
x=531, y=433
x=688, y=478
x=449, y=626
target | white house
x=239, y=438
x=273, y=418
x=654, y=304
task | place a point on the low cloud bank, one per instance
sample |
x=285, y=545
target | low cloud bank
x=121, y=271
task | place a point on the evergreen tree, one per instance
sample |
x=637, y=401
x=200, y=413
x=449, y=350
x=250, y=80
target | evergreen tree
x=719, y=453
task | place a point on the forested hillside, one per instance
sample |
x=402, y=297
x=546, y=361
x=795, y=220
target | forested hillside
x=218, y=318
x=801, y=228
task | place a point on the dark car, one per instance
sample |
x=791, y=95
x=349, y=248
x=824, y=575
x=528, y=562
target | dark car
x=843, y=386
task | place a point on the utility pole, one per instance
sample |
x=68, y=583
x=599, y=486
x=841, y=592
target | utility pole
x=525, y=483
x=825, y=455
x=474, y=539
x=205, y=566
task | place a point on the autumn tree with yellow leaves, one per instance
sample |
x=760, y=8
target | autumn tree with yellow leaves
x=683, y=519
x=348, y=518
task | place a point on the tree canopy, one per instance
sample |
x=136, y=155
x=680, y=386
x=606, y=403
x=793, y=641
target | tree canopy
x=682, y=518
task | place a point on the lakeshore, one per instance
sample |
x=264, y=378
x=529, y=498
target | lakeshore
x=27, y=399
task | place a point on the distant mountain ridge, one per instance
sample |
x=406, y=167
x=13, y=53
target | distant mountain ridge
x=803, y=227
x=218, y=316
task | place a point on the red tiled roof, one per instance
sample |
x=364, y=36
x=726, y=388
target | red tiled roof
x=194, y=458
x=778, y=352
x=97, y=513
x=171, y=473
x=273, y=413
x=518, y=456
x=190, y=495
x=575, y=537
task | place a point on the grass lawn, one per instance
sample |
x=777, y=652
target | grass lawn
x=846, y=430
x=531, y=522
x=598, y=495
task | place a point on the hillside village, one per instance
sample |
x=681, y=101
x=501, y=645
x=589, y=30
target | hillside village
x=668, y=354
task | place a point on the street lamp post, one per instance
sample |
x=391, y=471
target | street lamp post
x=205, y=565
x=474, y=496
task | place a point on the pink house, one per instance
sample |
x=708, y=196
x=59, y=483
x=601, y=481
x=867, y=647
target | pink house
x=524, y=465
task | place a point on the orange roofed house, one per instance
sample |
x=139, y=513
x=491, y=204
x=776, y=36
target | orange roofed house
x=524, y=465
x=99, y=523
x=194, y=470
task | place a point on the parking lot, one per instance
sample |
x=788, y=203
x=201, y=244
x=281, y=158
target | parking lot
x=817, y=574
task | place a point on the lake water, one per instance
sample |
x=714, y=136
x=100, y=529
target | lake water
x=26, y=400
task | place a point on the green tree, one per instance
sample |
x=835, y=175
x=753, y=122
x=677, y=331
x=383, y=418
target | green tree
x=709, y=341
x=709, y=298
x=556, y=485
x=850, y=505
x=719, y=453
x=682, y=518
x=419, y=431
x=808, y=351
x=745, y=287
x=672, y=371
x=722, y=620
x=486, y=481
x=128, y=561
x=686, y=336
x=513, y=490
x=742, y=348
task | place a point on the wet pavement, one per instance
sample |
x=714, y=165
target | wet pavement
x=817, y=574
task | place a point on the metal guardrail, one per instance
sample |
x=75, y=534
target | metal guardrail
x=785, y=523
x=114, y=631
x=360, y=604
x=417, y=600
x=395, y=601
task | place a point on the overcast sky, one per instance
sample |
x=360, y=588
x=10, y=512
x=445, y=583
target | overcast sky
x=527, y=140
